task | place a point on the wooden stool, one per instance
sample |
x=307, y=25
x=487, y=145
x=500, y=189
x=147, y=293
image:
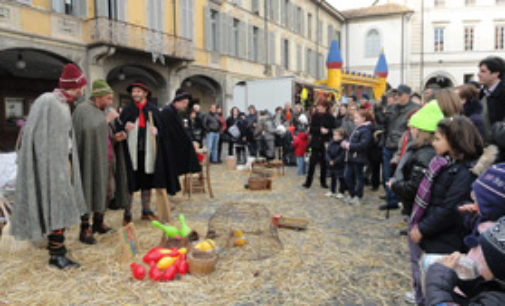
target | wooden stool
x=203, y=177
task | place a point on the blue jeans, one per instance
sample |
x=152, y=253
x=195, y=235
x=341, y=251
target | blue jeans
x=354, y=179
x=387, y=155
x=212, y=143
x=302, y=167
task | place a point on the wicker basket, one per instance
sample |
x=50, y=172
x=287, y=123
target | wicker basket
x=201, y=263
x=173, y=242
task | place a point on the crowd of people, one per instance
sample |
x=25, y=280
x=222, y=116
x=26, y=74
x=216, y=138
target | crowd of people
x=438, y=158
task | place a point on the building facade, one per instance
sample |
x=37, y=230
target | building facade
x=444, y=39
x=369, y=31
x=203, y=46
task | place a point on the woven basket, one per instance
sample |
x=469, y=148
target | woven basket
x=201, y=263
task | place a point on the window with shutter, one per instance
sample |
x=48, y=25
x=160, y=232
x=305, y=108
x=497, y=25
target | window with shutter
x=271, y=48
x=214, y=26
x=309, y=26
x=261, y=46
x=235, y=37
x=58, y=6
x=319, y=32
x=208, y=28
x=299, y=58
x=330, y=34
x=242, y=40
x=286, y=54
x=275, y=10
x=250, y=40
x=283, y=12
x=255, y=6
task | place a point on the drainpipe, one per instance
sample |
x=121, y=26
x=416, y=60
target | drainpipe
x=318, y=68
x=347, y=60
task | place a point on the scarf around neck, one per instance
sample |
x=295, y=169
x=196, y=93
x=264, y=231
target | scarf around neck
x=142, y=119
x=423, y=196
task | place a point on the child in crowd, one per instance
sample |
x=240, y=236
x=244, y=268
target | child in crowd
x=488, y=193
x=487, y=289
x=335, y=157
x=357, y=155
x=417, y=156
x=435, y=225
x=300, y=147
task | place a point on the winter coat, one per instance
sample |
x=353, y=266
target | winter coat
x=498, y=138
x=336, y=153
x=48, y=195
x=212, y=123
x=396, y=123
x=317, y=139
x=339, y=120
x=473, y=110
x=300, y=144
x=196, y=128
x=495, y=105
x=442, y=225
x=440, y=283
x=360, y=142
x=412, y=172
x=265, y=128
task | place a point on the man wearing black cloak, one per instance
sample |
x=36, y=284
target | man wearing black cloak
x=182, y=153
x=145, y=162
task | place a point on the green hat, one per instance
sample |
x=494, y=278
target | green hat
x=100, y=88
x=427, y=117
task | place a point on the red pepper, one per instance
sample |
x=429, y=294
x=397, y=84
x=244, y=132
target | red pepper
x=149, y=255
x=138, y=271
x=182, y=266
x=169, y=273
x=155, y=274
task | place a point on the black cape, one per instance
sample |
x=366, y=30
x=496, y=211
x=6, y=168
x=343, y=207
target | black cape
x=164, y=175
x=179, y=141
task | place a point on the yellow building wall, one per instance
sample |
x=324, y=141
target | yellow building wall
x=33, y=21
x=137, y=12
x=42, y=4
x=91, y=9
x=169, y=14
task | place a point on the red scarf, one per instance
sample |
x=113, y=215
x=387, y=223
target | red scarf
x=142, y=119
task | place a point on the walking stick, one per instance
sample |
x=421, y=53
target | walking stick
x=162, y=204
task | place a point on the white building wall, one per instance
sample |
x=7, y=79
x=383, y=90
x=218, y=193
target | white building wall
x=390, y=31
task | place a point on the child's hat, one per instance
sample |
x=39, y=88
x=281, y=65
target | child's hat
x=489, y=190
x=492, y=243
x=427, y=117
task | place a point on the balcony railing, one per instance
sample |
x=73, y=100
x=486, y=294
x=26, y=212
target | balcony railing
x=118, y=33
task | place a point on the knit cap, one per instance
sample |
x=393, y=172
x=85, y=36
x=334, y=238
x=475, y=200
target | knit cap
x=489, y=190
x=100, y=88
x=492, y=243
x=72, y=77
x=427, y=117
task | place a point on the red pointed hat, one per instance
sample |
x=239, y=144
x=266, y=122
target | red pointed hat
x=139, y=85
x=72, y=77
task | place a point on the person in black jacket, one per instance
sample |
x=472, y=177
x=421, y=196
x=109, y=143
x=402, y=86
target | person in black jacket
x=321, y=127
x=410, y=171
x=491, y=76
x=335, y=157
x=487, y=289
x=230, y=121
x=357, y=155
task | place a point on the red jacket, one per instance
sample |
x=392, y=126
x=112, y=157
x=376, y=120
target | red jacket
x=300, y=143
